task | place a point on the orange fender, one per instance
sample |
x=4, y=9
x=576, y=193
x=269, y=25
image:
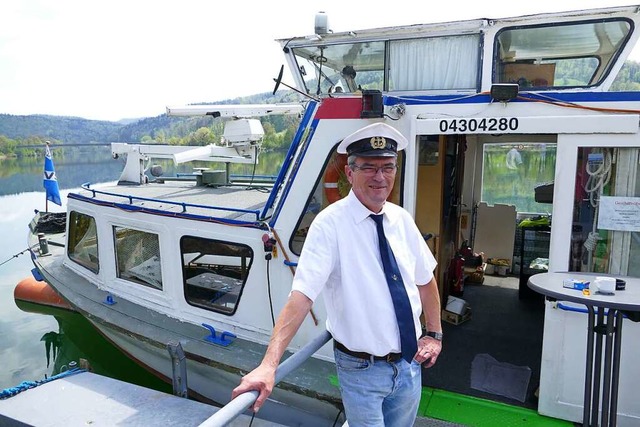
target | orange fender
x=38, y=292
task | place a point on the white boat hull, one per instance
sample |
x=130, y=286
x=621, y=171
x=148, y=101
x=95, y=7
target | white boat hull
x=215, y=384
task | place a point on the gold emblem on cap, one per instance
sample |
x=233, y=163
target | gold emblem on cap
x=378, y=142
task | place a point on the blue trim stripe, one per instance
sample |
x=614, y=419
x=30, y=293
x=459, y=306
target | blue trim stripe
x=294, y=172
x=297, y=139
x=483, y=98
x=583, y=96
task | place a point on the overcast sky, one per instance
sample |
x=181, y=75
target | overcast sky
x=108, y=60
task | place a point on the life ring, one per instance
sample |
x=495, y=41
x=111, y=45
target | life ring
x=335, y=179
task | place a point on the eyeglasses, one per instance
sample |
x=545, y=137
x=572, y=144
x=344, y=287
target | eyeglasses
x=368, y=170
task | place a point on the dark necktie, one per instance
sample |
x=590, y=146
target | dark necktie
x=399, y=296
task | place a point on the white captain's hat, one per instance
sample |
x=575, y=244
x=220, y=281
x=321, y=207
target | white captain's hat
x=375, y=140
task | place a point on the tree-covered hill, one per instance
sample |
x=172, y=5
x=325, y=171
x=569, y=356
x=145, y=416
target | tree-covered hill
x=59, y=128
x=17, y=131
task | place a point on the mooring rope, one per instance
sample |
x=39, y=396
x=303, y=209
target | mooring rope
x=15, y=256
x=26, y=385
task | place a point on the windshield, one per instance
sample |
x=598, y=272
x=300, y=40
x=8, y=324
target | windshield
x=341, y=68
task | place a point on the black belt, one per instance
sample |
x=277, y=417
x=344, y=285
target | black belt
x=391, y=357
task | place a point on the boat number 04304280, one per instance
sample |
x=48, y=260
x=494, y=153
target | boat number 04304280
x=491, y=124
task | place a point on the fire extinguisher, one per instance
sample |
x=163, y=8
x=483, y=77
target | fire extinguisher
x=456, y=275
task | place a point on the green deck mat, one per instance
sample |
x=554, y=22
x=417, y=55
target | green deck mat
x=471, y=411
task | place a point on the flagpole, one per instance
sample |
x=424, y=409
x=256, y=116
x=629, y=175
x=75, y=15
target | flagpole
x=46, y=196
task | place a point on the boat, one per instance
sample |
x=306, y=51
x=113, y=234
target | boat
x=206, y=260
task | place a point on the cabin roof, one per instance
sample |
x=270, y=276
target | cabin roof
x=177, y=197
x=453, y=27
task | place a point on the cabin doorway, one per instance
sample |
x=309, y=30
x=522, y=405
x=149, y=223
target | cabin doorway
x=478, y=189
x=438, y=202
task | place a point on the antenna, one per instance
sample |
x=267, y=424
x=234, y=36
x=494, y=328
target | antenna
x=321, y=23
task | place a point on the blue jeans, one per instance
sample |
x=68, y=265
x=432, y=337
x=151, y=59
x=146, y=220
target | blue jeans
x=379, y=393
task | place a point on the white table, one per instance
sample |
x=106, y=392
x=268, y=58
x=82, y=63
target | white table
x=600, y=325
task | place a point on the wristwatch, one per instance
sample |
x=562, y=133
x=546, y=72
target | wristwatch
x=435, y=335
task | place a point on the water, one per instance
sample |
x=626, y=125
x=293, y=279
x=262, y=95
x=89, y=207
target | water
x=22, y=353
x=28, y=330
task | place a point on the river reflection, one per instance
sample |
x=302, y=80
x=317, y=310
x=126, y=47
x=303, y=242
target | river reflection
x=22, y=175
x=25, y=329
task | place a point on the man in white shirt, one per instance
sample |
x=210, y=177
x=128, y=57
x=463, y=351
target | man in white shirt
x=378, y=346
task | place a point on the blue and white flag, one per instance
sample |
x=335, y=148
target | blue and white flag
x=50, y=180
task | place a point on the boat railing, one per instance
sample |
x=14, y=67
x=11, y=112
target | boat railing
x=190, y=176
x=237, y=406
x=183, y=205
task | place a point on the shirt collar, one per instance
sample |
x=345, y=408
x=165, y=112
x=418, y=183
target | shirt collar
x=360, y=212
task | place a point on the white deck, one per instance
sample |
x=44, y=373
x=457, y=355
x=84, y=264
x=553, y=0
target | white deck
x=90, y=399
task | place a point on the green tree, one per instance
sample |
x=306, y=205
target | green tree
x=271, y=138
x=7, y=146
x=159, y=136
x=202, y=136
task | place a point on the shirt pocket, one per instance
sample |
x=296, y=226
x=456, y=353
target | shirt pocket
x=406, y=260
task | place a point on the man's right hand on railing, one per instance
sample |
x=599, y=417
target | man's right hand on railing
x=261, y=379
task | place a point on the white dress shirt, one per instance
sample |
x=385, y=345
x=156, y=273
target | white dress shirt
x=341, y=255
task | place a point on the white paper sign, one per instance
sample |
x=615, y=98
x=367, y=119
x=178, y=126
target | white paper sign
x=619, y=213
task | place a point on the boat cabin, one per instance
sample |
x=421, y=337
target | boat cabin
x=521, y=151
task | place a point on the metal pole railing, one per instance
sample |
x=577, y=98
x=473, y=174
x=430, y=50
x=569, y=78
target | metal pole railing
x=237, y=406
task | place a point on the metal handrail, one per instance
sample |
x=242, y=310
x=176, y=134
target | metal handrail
x=183, y=205
x=237, y=406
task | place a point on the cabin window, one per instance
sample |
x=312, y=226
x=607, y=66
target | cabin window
x=138, y=256
x=214, y=272
x=341, y=68
x=512, y=171
x=333, y=185
x=605, y=236
x=562, y=55
x=434, y=63
x=82, y=245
